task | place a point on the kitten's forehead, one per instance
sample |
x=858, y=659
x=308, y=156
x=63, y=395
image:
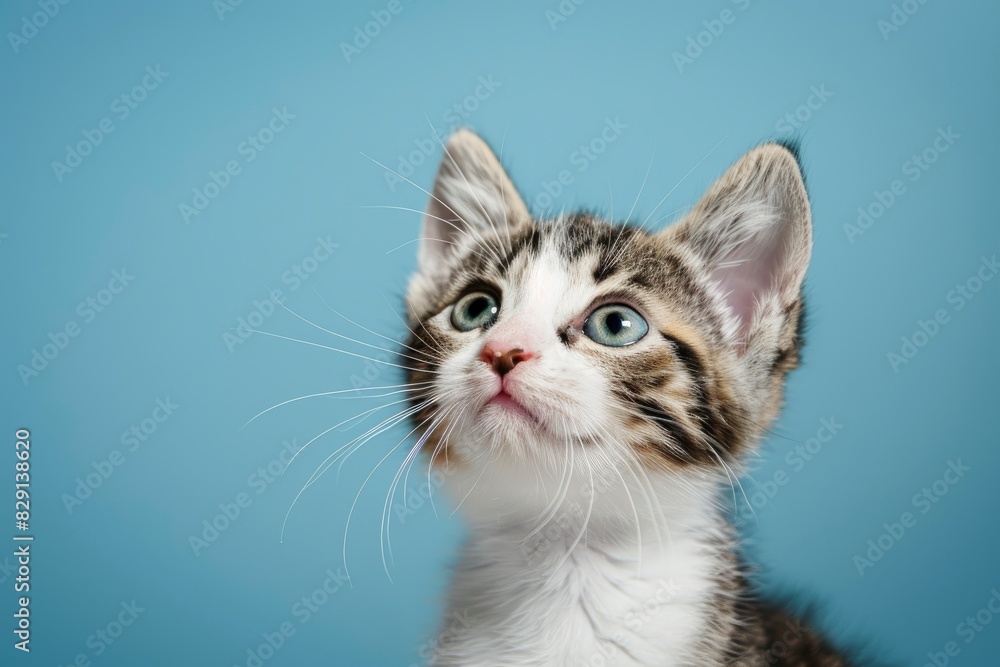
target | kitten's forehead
x=554, y=275
x=541, y=283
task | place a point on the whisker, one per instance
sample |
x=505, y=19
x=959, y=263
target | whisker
x=418, y=240
x=503, y=199
x=635, y=514
x=441, y=444
x=468, y=228
x=385, y=507
x=390, y=422
x=348, y=338
x=683, y=178
x=375, y=333
x=431, y=341
x=586, y=521
x=471, y=488
x=359, y=416
x=611, y=250
x=409, y=413
x=334, y=349
x=407, y=386
x=468, y=185
x=480, y=242
x=559, y=497
x=436, y=421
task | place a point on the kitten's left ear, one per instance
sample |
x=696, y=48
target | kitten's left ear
x=753, y=231
x=473, y=197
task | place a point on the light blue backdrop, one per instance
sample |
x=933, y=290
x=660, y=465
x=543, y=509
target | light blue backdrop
x=270, y=92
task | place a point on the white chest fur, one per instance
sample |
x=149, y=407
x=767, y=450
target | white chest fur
x=533, y=602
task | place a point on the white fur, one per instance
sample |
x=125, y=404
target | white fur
x=612, y=600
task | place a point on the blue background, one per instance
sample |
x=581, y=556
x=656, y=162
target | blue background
x=558, y=81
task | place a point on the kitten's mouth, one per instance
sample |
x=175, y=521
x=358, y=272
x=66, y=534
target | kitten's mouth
x=508, y=403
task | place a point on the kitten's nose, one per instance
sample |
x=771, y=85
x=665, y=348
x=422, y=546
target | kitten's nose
x=503, y=359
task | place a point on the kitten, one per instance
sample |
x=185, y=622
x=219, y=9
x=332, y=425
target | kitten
x=587, y=391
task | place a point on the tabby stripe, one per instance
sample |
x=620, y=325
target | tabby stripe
x=533, y=238
x=672, y=427
x=713, y=425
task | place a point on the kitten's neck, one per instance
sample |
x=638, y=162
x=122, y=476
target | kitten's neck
x=596, y=590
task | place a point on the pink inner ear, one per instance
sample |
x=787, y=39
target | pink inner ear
x=747, y=273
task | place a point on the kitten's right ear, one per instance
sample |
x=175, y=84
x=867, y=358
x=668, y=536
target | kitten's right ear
x=753, y=231
x=473, y=197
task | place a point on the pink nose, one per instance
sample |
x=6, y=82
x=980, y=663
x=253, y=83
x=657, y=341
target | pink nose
x=503, y=358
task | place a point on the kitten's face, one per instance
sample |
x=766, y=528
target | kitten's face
x=546, y=349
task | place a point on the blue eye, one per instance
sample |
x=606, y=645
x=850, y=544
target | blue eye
x=615, y=325
x=474, y=310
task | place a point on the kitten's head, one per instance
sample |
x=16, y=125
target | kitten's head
x=544, y=349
